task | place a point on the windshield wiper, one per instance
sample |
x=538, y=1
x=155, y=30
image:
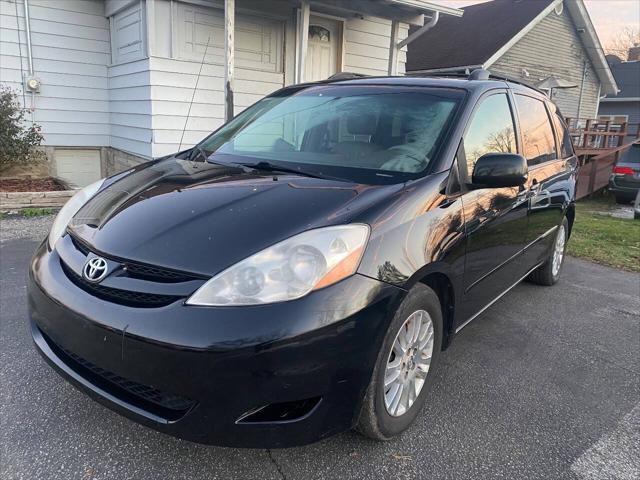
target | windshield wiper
x=271, y=167
x=200, y=152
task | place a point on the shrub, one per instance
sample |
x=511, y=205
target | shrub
x=18, y=141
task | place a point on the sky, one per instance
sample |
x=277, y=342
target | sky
x=608, y=16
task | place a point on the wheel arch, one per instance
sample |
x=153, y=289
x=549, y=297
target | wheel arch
x=570, y=213
x=442, y=285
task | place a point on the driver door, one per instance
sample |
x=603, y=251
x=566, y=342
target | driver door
x=495, y=218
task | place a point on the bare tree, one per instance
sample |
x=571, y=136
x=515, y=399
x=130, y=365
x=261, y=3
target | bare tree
x=625, y=39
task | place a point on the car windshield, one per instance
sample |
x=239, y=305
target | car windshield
x=340, y=131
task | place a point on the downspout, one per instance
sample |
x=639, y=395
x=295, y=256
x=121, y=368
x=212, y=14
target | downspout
x=423, y=29
x=395, y=47
x=27, y=29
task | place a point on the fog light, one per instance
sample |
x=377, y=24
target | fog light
x=280, y=412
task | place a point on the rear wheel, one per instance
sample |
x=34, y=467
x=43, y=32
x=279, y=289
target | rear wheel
x=549, y=272
x=404, y=369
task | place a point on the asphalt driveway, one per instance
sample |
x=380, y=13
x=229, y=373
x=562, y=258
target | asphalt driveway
x=545, y=384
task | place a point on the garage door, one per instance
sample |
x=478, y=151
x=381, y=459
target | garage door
x=79, y=168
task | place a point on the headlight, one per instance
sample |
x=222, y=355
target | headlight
x=289, y=269
x=70, y=208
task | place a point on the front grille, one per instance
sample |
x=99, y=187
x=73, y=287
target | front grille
x=140, y=270
x=156, y=274
x=116, y=295
x=158, y=402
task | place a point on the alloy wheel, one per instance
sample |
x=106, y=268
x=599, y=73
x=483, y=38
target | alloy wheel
x=408, y=363
x=558, y=251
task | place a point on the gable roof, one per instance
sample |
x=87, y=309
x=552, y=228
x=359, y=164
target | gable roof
x=487, y=30
x=472, y=39
x=626, y=75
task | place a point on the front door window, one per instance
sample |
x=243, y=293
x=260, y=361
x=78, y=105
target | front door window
x=322, y=49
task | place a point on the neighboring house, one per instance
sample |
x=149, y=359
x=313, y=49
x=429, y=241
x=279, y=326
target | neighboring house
x=625, y=106
x=526, y=40
x=112, y=80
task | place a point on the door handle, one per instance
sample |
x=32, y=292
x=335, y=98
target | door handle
x=541, y=199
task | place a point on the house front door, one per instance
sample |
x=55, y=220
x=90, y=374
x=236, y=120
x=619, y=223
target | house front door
x=322, y=49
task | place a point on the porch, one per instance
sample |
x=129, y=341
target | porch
x=320, y=35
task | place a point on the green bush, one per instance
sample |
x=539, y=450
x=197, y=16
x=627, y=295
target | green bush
x=18, y=141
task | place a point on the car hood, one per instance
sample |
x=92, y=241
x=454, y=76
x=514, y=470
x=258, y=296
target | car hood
x=203, y=218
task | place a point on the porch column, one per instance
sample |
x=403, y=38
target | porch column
x=393, y=48
x=303, y=37
x=229, y=28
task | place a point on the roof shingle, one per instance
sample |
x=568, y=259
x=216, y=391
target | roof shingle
x=473, y=38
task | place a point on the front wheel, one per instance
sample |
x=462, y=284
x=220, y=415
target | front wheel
x=402, y=375
x=549, y=272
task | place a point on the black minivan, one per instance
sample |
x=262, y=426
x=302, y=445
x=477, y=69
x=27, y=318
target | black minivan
x=300, y=271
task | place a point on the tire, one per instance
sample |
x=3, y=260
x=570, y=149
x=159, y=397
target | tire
x=375, y=420
x=545, y=273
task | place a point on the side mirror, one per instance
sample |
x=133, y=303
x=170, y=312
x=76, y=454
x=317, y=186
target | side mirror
x=500, y=170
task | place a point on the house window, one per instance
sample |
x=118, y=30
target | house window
x=319, y=34
x=258, y=41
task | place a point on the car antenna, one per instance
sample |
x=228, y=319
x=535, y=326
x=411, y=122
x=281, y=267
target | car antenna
x=193, y=95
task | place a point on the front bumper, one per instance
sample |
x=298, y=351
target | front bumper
x=193, y=372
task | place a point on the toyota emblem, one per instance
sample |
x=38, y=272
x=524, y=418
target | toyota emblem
x=95, y=269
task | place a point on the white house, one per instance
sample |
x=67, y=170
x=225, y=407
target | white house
x=112, y=82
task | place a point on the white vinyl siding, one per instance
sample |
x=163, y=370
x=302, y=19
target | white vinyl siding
x=553, y=47
x=172, y=87
x=259, y=68
x=366, y=46
x=130, y=107
x=103, y=85
x=71, y=51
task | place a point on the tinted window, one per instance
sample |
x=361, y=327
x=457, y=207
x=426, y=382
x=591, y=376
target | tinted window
x=566, y=143
x=491, y=130
x=539, y=144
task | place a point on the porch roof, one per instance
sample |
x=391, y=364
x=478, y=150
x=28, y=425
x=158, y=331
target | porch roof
x=426, y=7
x=412, y=12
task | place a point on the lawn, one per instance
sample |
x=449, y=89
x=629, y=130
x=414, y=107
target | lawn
x=605, y=239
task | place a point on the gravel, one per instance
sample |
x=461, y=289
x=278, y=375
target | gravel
x=16, y=227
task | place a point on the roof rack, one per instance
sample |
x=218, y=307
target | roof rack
x=438, y=74
x=477, y=74
x=516, y=81
x=346, y=76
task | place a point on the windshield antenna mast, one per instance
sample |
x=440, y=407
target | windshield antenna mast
x=193, y=95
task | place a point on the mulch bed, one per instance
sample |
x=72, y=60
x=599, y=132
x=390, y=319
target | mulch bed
x=29, y=184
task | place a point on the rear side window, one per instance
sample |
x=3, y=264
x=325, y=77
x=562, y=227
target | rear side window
x=539, y=144
x=566, y=144
x=491, y=130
